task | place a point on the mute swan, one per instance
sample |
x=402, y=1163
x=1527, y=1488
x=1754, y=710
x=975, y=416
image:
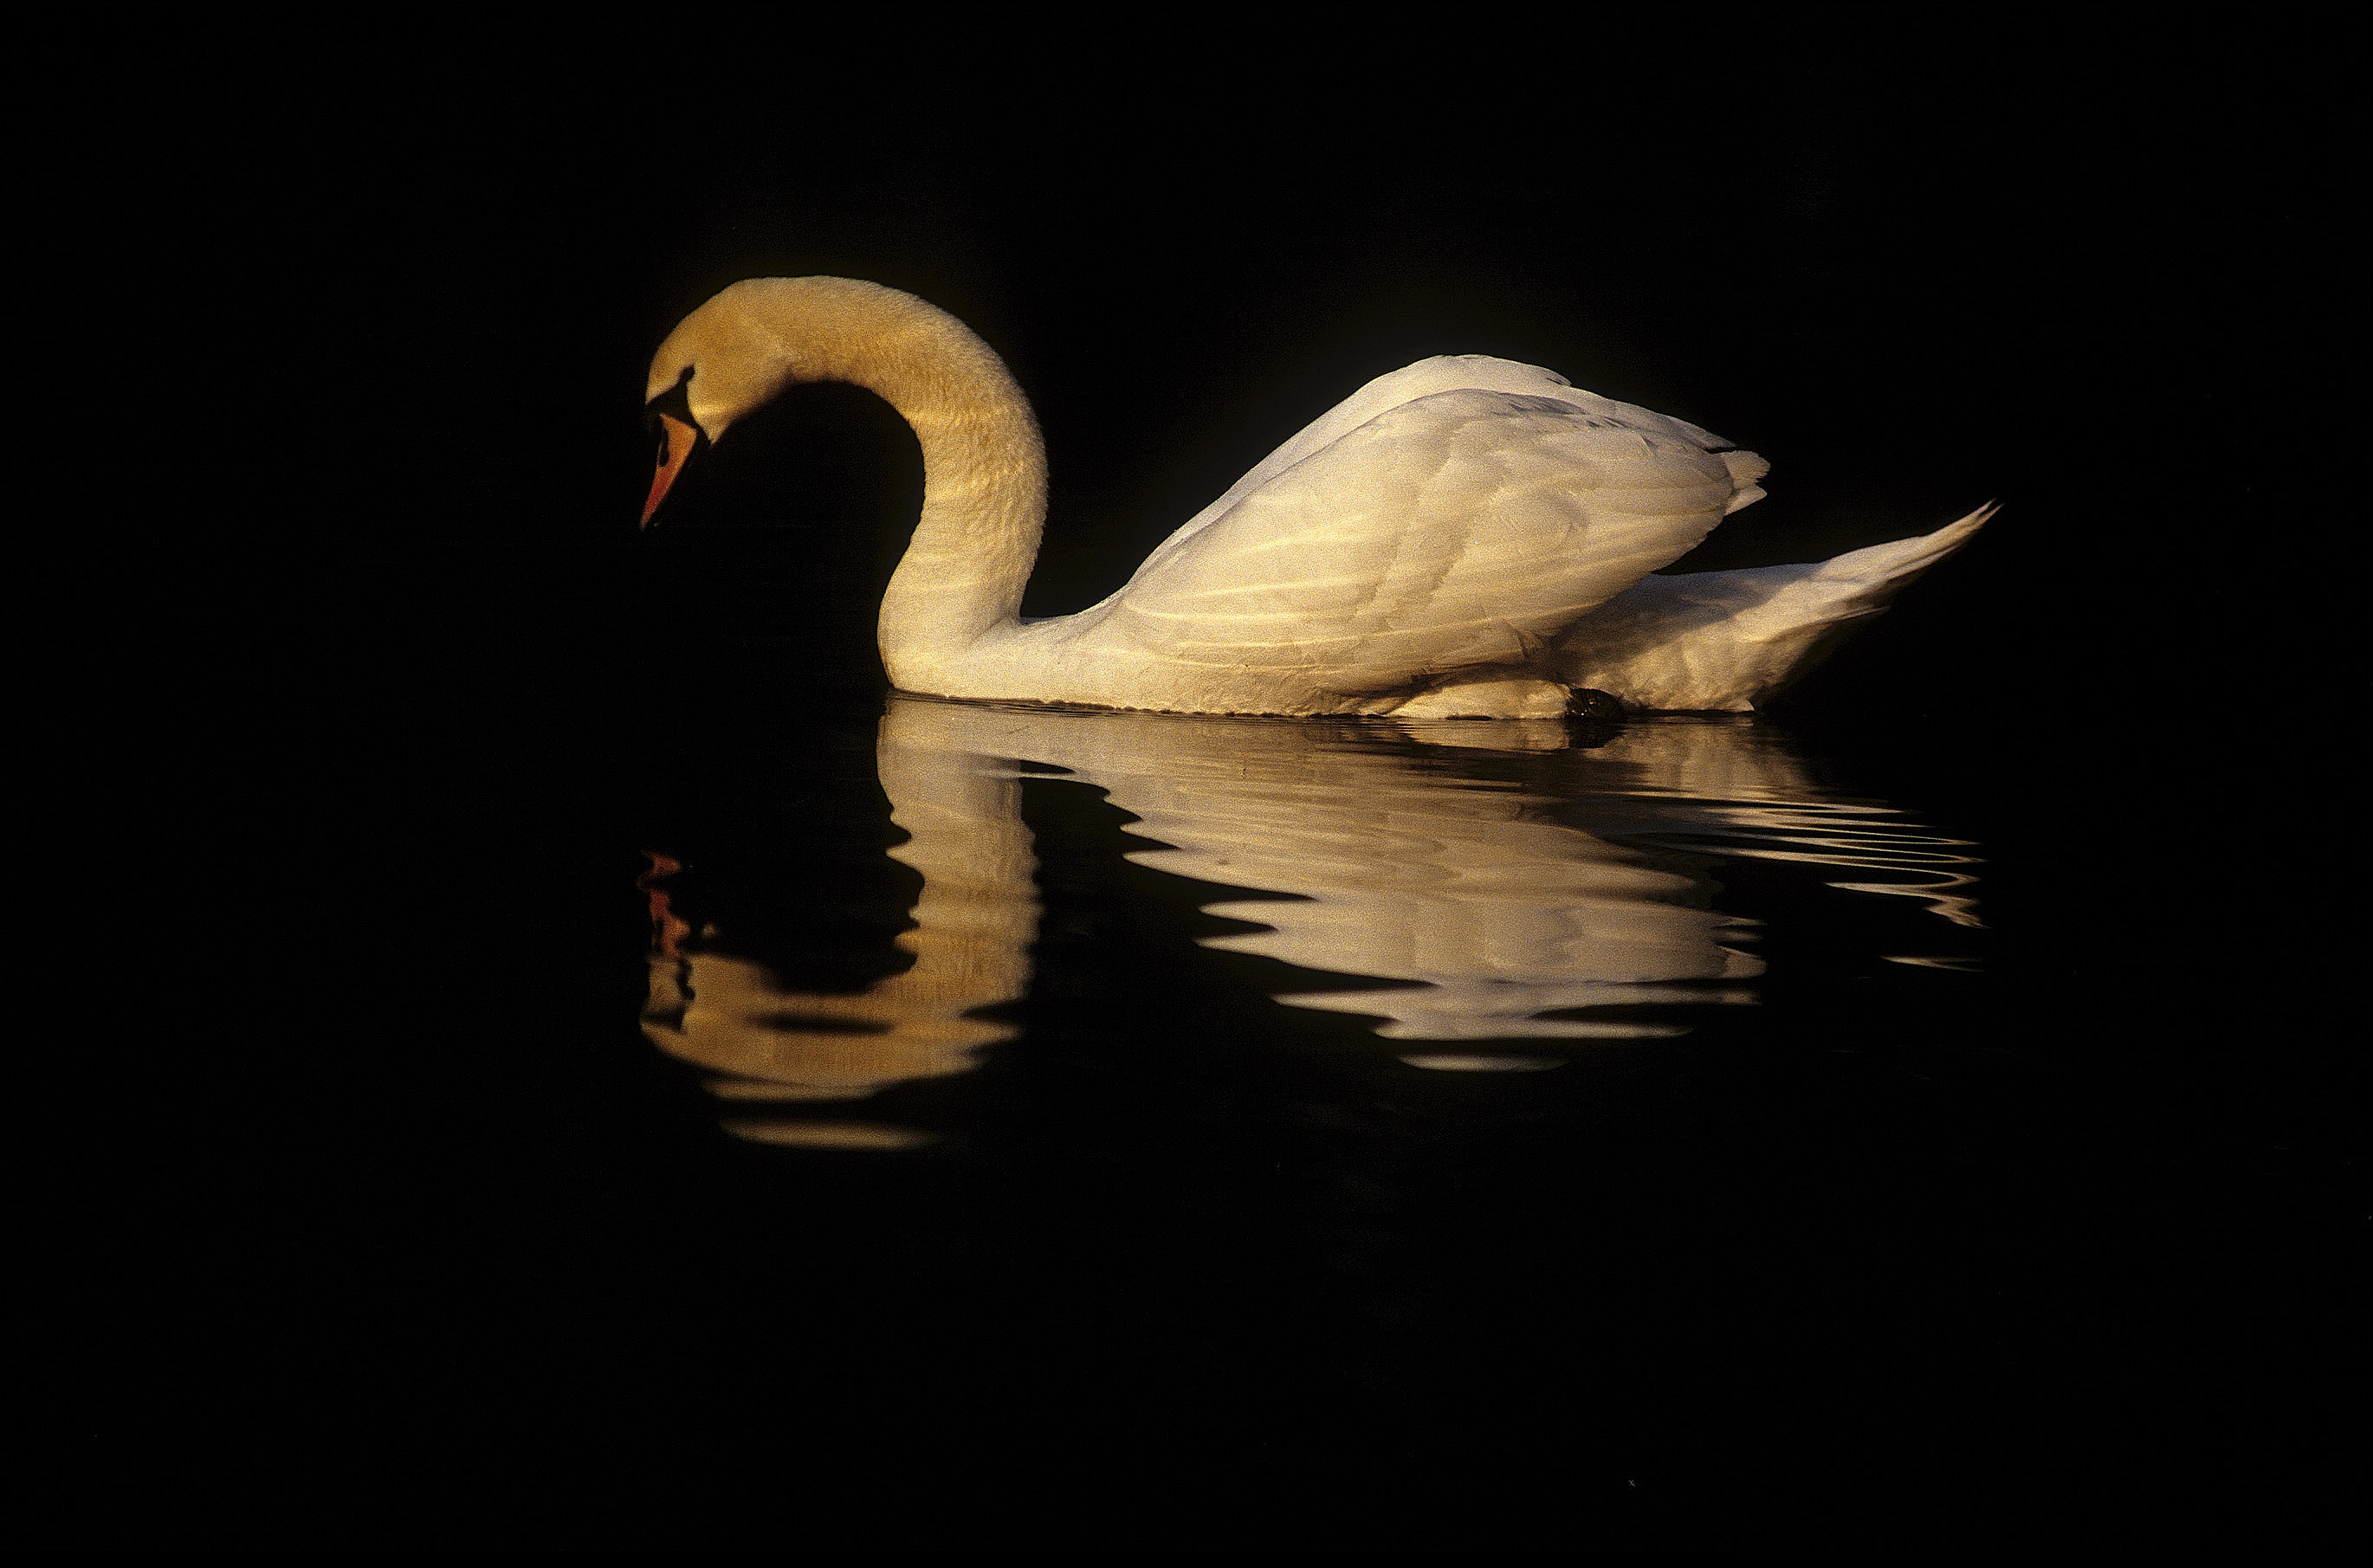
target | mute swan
x=1468, y=537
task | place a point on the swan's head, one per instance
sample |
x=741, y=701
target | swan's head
x=739, y=351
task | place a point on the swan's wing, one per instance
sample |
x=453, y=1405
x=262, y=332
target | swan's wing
x=1446, y=373
x=1725, y=639
x=1461, y=528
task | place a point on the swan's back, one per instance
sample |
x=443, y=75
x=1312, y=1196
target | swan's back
x=1453, y=373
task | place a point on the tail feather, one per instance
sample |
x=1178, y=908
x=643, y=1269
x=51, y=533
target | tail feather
x=1899, y=561
x=1725, y=639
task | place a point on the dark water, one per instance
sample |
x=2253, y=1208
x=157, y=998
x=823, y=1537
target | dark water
x=1477, y=893
x=689, y=1106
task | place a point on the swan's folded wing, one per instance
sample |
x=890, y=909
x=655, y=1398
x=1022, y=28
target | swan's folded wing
x=1449, y=373
x=1456, y=531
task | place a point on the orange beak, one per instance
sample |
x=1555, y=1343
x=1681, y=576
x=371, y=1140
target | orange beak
x=680, y=437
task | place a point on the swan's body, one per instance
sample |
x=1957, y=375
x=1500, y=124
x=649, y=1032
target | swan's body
x=1468, y=536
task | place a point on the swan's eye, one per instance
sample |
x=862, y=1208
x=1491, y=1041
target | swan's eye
x=660, y=433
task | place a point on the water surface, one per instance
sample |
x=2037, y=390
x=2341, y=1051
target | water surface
x=1492, y=896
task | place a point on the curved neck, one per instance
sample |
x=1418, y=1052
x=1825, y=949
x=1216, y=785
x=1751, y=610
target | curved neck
x=983, y=502
x=984, y=467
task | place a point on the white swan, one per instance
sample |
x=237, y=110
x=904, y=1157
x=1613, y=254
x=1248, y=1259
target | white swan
x=1465, y=537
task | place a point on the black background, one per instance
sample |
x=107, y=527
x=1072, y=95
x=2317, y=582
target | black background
x=2091, y=276
x=399, y=288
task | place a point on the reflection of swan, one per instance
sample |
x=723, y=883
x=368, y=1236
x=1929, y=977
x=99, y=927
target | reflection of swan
x=973, y=925
x=1466, y=537
x=1721, y=786
x=1498, y=911
x=1489, y=912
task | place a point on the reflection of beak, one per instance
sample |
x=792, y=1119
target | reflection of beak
x=680, y=439
x=667, y=929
